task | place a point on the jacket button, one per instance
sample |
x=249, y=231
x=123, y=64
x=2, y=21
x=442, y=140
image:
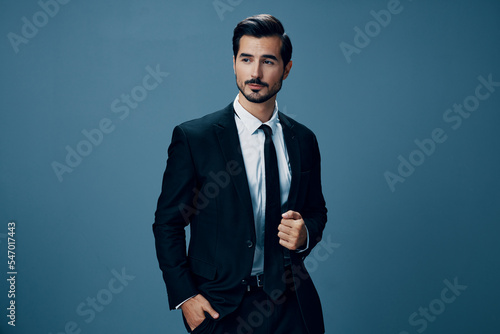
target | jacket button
x=244, y=281
x=249, y=243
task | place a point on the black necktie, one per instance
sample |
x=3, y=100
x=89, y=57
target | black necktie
x=273, y=251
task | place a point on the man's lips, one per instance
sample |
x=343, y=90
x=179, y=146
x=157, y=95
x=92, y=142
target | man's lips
x=255, y=86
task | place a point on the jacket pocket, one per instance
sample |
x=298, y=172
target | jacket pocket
x=202, y=268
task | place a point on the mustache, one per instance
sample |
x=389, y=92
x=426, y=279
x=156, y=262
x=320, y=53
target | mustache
x=256, y=82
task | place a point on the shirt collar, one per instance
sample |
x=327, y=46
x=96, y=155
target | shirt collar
x=251, y=122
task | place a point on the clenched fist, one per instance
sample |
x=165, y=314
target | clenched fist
x=292, y=230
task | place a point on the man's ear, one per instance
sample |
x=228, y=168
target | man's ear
x=234, y=65
x=288, y=67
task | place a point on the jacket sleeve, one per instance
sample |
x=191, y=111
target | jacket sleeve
x=173, y=213
x=314, y=209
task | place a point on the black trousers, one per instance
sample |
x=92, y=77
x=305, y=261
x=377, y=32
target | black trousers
x=258, y=314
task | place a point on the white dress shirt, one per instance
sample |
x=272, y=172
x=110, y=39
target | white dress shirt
x=252, y=146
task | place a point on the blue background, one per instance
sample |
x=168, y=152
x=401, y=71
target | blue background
x=392, y=250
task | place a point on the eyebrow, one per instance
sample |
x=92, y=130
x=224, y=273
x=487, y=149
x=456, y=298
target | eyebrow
x=263, y=56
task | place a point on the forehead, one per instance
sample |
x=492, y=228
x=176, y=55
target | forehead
x=260, y=46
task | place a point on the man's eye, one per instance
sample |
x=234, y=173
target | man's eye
x=268, y=62
x=245, y=60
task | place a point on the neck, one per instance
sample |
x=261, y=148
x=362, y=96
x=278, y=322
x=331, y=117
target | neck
x=263, y=111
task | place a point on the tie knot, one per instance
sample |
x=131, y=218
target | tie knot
x=267, y=130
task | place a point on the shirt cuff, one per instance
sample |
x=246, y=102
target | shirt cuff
x=178, y=306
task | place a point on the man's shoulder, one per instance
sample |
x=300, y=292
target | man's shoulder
x=295, y=126
x=206, y=121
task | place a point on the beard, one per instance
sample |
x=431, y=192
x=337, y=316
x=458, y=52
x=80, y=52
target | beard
x=257, y=96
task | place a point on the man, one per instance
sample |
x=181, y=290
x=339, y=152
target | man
x=247, y=181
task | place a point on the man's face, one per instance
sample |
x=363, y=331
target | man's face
x=259, y=68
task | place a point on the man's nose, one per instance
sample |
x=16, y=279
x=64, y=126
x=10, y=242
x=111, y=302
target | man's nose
x=257, y=70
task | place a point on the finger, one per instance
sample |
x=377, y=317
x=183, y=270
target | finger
x=288, y=233
x=290, y=227
x=290, y=214
x=208, y=308
x=283, y=236
x=287, y=244
x=195, y=318
x=291, y=239
x=285, y=226
x=290, y=223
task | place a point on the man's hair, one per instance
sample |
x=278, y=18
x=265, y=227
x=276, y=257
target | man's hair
x=263, y=25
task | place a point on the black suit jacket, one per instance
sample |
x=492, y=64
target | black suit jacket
x=205, y=185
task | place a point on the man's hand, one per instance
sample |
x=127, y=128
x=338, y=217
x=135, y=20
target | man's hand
x=292, y=230
x=194, y=310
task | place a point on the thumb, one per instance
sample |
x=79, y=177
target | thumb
x=208, y=308
x=290, y=214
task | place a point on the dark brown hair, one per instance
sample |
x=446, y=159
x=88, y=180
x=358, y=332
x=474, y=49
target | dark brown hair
x=263, y=25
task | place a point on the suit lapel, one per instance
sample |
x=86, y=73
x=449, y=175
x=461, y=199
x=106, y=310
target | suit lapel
x=292, y=146
x=229, y=142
